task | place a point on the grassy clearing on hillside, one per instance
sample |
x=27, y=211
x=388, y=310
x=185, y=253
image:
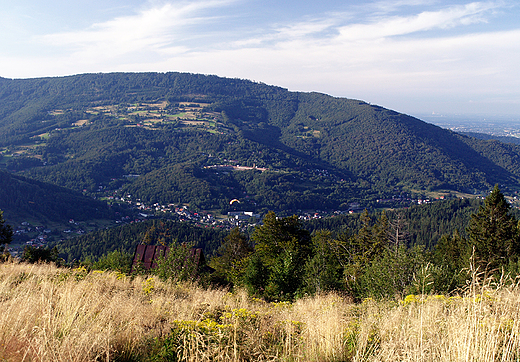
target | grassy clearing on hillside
x=51, y=314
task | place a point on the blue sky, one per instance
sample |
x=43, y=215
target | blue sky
x=413, y=56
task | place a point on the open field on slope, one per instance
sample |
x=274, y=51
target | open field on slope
x=51, y=314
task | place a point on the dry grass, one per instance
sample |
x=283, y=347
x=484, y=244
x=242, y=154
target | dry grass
x=51, y=314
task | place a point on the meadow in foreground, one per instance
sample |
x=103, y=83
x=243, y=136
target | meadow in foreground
x=57, y=314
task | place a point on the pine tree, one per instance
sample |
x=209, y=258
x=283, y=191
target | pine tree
x=452, y=255
x=371, y=240
x=367, y=246
x=282, y=247
x=324, y=270
x=229, y=264
x=493, y=233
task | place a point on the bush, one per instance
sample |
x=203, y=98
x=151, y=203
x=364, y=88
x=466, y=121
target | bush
x=117, y=260
x=41, y=255
x=393, y=274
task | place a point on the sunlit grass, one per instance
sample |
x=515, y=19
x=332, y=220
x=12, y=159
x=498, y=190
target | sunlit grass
x=52, y=314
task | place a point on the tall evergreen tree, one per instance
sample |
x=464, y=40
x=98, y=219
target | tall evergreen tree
x=229, y=263
x=324, y=270
x=493, y=233
x=282, y=247
x=371, y=240
x=452, y=255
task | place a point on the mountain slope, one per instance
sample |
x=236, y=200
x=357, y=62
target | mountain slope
x=177, y=138
x=23, y=199
x=390, y=148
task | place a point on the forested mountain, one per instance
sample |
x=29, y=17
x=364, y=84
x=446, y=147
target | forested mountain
x=417, y=225
x=178, y=138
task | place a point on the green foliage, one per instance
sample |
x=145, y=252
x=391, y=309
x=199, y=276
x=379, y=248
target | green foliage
x=231, y=258
x=370, y=243
x=421, y=224
x=6, y=231
x=6, y=236
x=322, y=152
x=256, y=276
x=116, y=260
x=493, y=233
x=370, y=255
x=319, y=152
x=391, y=274
x=371, y=240
x=452, y=254
x=180, y=264
x=22, y=197
x=125, y=238
x=324, y=270
x=492, y=245
x=41, y=255
x=169, y=348
x=282, y=247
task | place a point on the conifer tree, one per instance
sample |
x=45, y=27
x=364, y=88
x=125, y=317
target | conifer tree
x=324, y=270
x=493, y=232
x=282, y=247
x=371, y=239
x=452, y=255
x=367, y=246
x=229, y=264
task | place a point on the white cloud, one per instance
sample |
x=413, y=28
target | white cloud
x=427, y=20
x=148, y=31
x=309, y=29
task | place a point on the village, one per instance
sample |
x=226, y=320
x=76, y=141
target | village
x=40, y=236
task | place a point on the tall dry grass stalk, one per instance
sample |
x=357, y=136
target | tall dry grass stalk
x=52, y=314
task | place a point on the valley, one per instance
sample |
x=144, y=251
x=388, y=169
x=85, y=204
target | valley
x=199, y=148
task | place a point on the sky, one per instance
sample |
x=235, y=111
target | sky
x=412, y=56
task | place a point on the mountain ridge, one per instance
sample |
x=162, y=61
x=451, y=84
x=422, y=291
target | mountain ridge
x=88, y=132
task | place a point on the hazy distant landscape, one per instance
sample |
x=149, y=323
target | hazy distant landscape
x=495, y=125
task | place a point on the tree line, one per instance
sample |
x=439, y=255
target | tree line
x=282, y=260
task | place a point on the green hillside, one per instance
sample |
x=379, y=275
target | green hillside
x=176, y=138
x=23, y=199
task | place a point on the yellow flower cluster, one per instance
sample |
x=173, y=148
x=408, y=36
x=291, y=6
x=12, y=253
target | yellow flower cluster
x=281, y=304
x=119, y=275
x=80, y=269
x=415, y=299
x=148, y=286
x=240, y=313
